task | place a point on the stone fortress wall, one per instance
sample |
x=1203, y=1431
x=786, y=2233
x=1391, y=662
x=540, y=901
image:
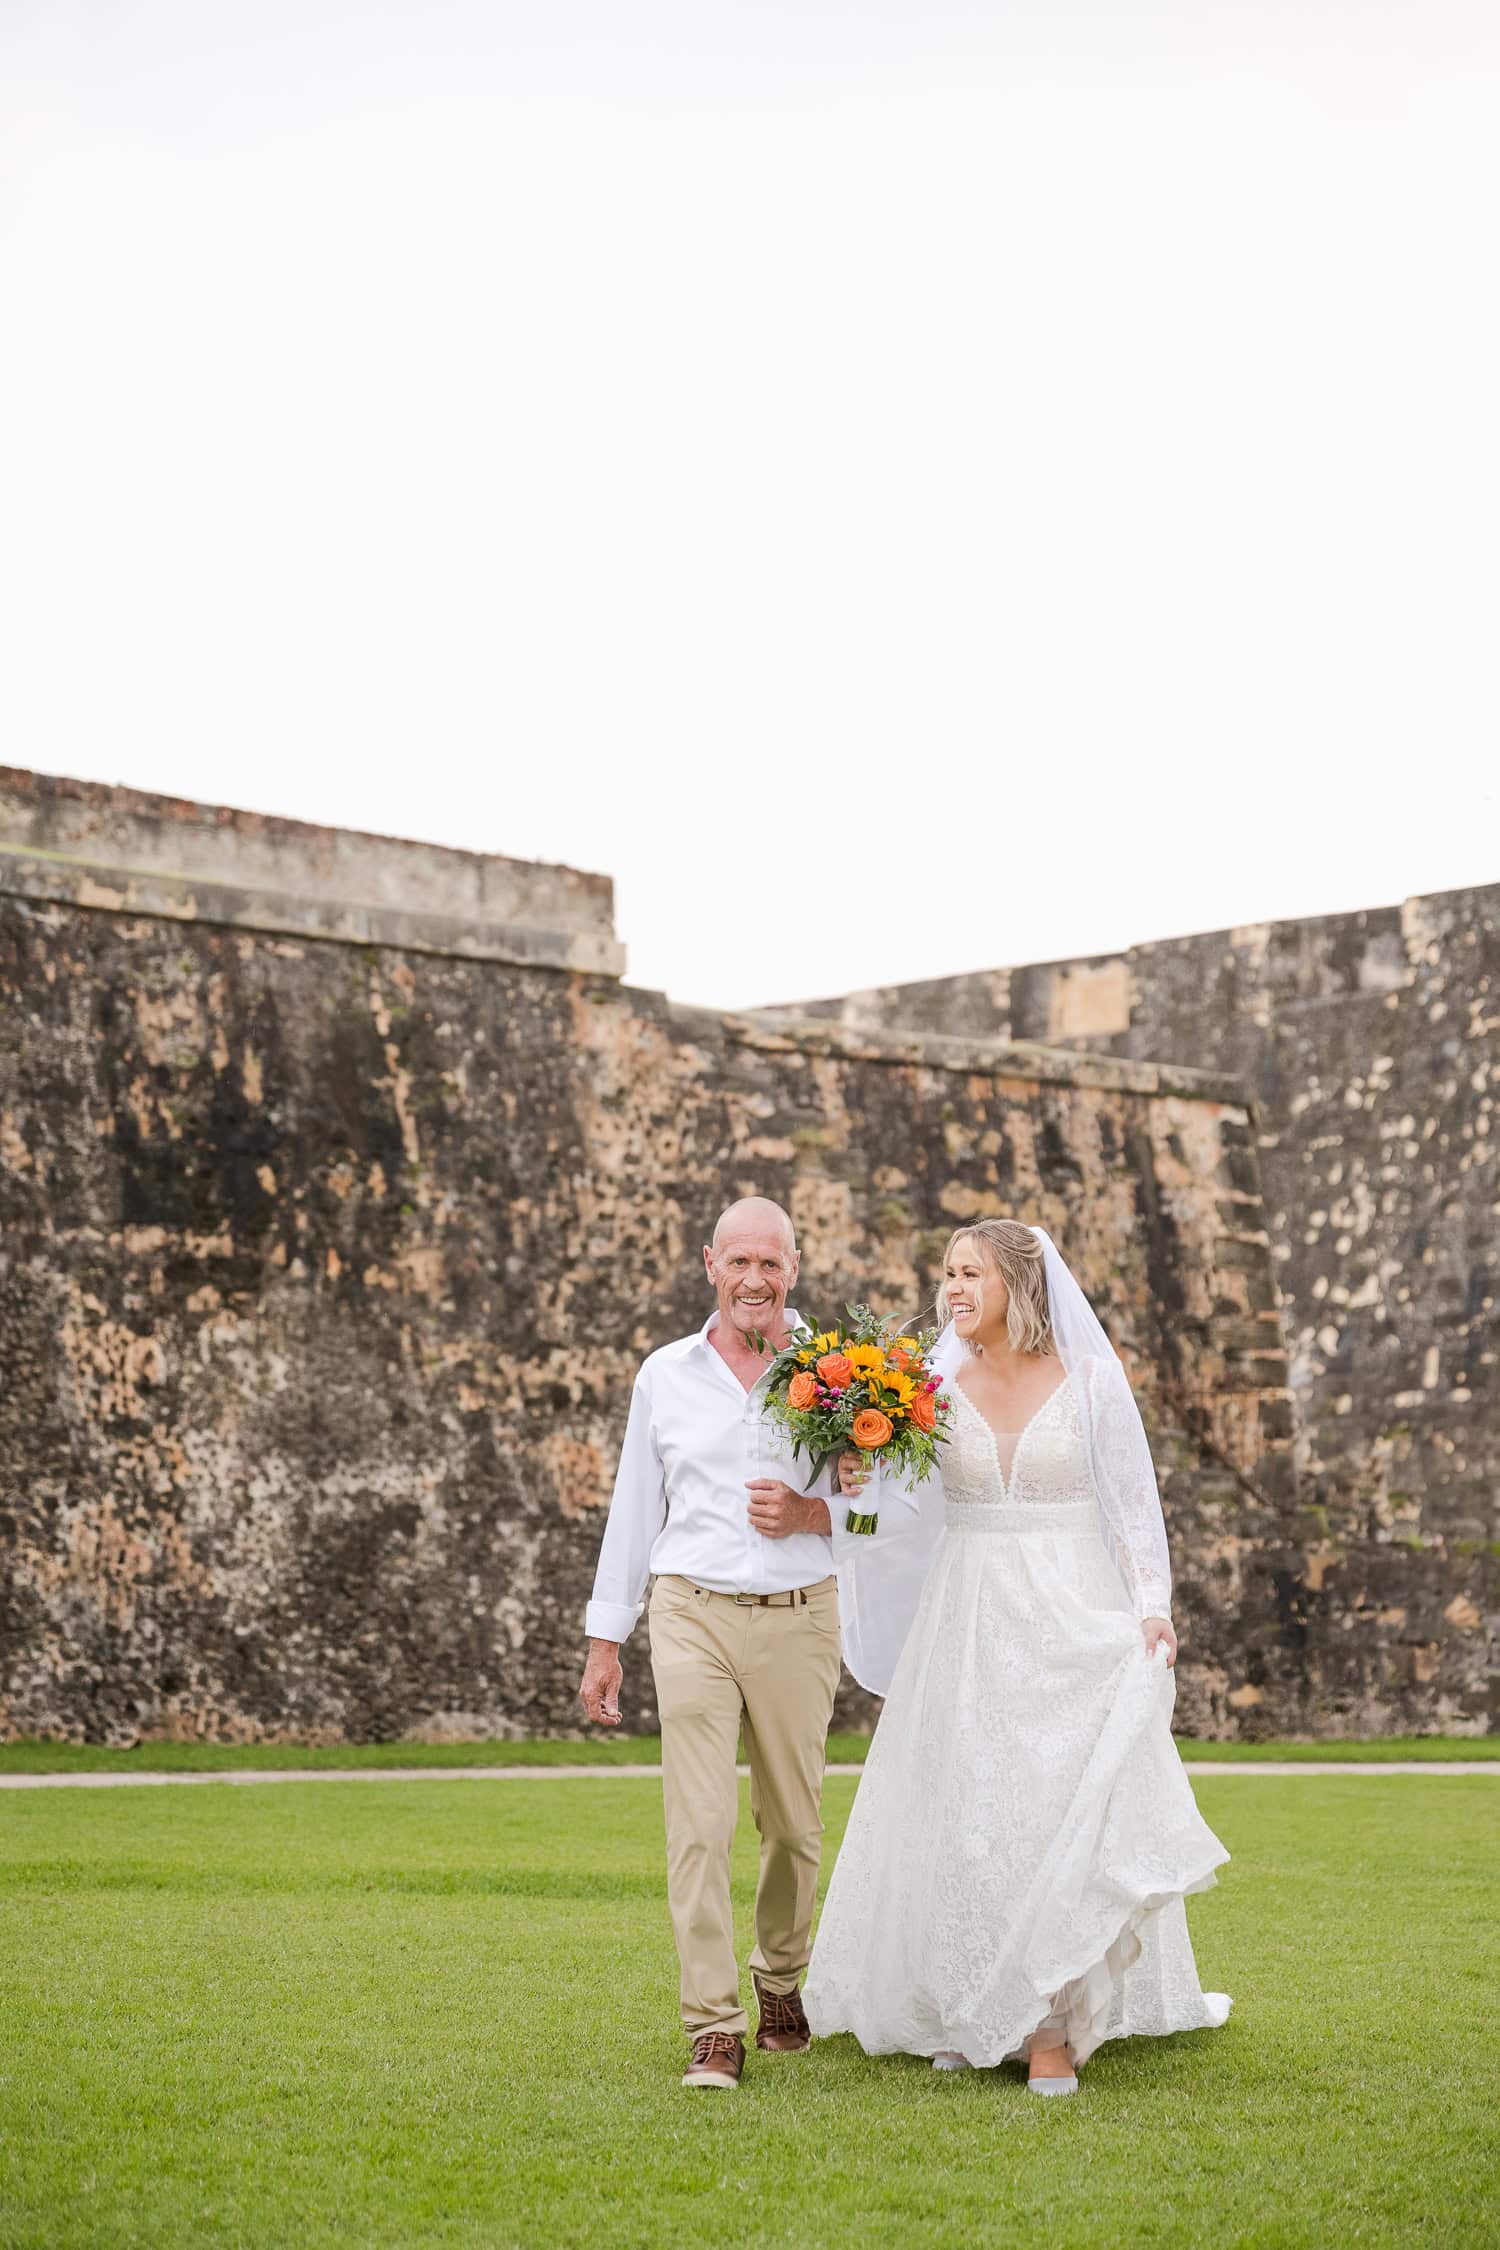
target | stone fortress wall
x=1369, y=1045
x=331, y=1236
x=343, y=1185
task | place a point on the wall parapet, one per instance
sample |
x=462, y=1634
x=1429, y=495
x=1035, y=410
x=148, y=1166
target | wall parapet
x=773, y=1029
x=124, y=851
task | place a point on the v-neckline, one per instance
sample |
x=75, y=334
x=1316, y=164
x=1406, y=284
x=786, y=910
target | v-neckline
x=746, y=1390
x=1020, y=1435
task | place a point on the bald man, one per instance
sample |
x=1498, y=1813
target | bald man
x=744, y=1634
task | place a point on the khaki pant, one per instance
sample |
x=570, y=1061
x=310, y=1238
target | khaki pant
x=720, y=1666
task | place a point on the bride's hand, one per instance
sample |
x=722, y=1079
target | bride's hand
x=853, y=1475
x=1158, y=1633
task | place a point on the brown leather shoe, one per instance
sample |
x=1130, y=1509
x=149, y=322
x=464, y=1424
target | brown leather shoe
x=782, y=2029
x=718, y=2058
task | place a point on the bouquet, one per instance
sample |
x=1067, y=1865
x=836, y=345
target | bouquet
x=856, y=1386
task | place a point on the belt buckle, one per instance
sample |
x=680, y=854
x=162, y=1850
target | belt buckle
x=746, y=1601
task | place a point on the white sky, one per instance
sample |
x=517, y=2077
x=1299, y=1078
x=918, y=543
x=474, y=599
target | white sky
x=903, y=488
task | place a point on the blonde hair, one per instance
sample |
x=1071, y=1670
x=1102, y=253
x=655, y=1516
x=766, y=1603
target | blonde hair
x=1016, y=1254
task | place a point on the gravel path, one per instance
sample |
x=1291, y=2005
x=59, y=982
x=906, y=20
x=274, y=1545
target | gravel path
x=250, y=1777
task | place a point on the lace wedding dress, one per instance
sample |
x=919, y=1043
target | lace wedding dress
x=1024, y=1833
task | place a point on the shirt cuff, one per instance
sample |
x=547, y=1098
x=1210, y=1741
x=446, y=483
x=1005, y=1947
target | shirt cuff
x=1153, y=1601
x=610, y=1621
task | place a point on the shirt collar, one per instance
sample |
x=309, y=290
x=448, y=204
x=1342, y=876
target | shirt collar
x=794, y=1321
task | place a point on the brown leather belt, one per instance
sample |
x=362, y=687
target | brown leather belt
x=795, y=1597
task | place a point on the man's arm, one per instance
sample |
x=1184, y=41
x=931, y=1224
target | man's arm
x=777, y=1510
x=636, y=1511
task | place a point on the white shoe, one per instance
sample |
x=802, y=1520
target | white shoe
x=1067, y=2085
x=947, y=2060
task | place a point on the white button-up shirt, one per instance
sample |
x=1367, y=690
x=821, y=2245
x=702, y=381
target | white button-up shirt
x=694, y=1440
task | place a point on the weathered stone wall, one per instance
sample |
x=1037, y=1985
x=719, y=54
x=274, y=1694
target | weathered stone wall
x=325, y=1270
x=1371, y=1045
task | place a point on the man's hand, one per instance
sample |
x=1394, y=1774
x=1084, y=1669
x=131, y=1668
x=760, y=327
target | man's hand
x=600, y=1691
x=1159, y=1632
x=776, y=1511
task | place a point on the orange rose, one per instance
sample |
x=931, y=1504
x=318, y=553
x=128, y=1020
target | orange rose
x=923, y=1412
x=871, y=1430
x=900, y=1360
x=802, y=1390
x=836, y=1371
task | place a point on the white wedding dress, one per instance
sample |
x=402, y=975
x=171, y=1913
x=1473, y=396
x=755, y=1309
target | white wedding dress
x=1024, y=1834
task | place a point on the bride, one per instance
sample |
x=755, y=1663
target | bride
x=1012, y=1879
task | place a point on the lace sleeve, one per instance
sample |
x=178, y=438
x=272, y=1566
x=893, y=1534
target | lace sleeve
x=1125, y=1479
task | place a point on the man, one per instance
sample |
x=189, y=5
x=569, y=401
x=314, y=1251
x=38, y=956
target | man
x=744, y=1634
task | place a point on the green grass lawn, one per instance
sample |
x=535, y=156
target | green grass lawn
x=445, y=2014
x=606, y=1750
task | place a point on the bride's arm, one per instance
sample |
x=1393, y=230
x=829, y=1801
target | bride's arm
x=1125, y=1478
